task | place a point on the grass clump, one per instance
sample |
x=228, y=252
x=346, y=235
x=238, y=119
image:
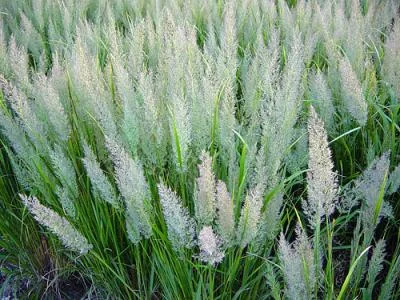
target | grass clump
x=200, y=149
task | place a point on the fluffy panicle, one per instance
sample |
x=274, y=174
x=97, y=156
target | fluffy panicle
x=250, y=216
x=4, y=61
x=352, y=94
x=58, y=225
x=27, y=118
x=65, y=171
x=19, y=64
x=101, y=186
x=153, y=131
x=375, y=266
x=136, y=54
x=228, y=34
x=225, y=219
x=321, y=179
x=369, y=186
x=280, y=111
x=52, y=106
x=173, y=70
x=371, y=180
x=22, y=174
x=125, y=88
x=209, y=245
x=30, y=37
x=180, y=129
x=391, y=63
x=6, y=88
x=298, y=268
x=227, y=64
x=297, y=159
x=391, y=280
x=269, y=222
x=23, y=150
x=394, y=180
x=261, y=76
x=66, y=202
x=227, y=121
x=90, y=87
x=181, y=227
x=322, y=96
x=203, y=94
x=10, y=129
x=272, y=281
x=205, y=203
x=134, y=190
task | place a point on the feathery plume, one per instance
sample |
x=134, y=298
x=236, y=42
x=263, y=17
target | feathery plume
x=321, y=179
x=22, y=174
x=370, y=182
x=89, y=84
x=391, y=280
x=180, y=128
x=226, y=64
x=229, y=42
x=127, y=93
x=352, y=94
x=209, y=245
x=11, y=129
x=65, y=171
x=391, y=62
x=51, y=103
x=281, y=106
x=58, y=225
x=30, y=37
x=181, y=227
x=205, y=203
x=4, y=61
x=134, y=190
x=27, y=119
x=101, y=186
x=153, y=132
x=66, y=202
x=136, y=55
x=226, y=219
x=298, y=266
x=297, y=159
x=322, y=96
x=6, y=88
x=19, y=64
x=272, y=281
x=250, y=216
x=269, y=222
x=394, y=180
x=375, y=266
x=368, y=187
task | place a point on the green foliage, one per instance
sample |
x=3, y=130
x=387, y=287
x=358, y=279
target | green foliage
x=156, y=149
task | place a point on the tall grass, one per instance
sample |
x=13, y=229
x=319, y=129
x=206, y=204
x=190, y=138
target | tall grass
x=200, y=149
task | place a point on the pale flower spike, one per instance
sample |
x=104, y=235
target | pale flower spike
x=69, y=236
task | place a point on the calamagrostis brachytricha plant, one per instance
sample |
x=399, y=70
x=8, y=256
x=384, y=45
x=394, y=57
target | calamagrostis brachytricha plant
x=101, y=103
x=321, y=179
x=210, y=245
x=352, y=93
x=298, y=266
x=181, y=227
x=134, y=190
x=205, y=202
x=69, y=236
x=225, y=214
x=101, y=186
